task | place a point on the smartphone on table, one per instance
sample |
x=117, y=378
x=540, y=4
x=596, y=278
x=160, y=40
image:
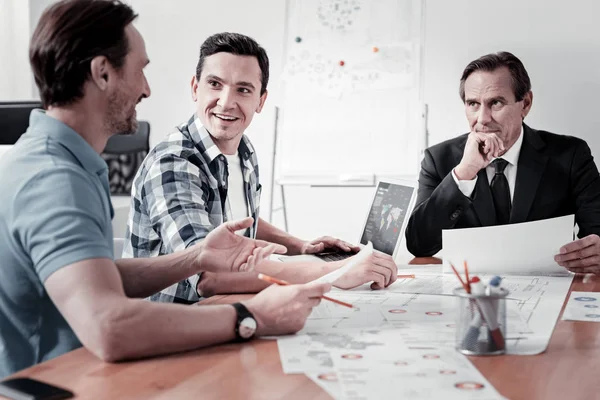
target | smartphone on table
x=32, y=389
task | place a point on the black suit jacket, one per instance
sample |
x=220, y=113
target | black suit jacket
x=556, y=176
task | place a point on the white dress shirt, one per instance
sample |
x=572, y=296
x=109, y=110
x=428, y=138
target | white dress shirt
x=512, y=156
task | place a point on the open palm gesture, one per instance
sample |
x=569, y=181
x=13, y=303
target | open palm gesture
x=224, y=251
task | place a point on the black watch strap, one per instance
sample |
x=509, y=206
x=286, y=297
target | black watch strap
x=242, y=313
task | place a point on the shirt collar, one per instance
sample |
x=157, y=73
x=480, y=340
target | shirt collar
x=512, y=155
x=41, y=123
x=201, y=137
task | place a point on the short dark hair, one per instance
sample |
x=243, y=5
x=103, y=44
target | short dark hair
x=238, y=44
x=68, y=36
x=491, y=62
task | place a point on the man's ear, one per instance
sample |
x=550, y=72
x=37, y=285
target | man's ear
x=263, y=98
x=100, y=71
x=194, y=86
x=527, y=102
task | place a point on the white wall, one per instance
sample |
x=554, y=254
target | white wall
x=36, y=8
x=16, y=78
x=558, y=42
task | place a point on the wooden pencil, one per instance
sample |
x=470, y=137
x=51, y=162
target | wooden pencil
x=270, y=279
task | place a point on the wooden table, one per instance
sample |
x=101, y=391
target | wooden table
x=253, y=370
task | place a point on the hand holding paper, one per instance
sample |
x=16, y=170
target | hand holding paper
x=522, y=249
x=581, y=256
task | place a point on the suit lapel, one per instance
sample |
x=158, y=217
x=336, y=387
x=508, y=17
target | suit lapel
x=530, y=169
x=482, y=200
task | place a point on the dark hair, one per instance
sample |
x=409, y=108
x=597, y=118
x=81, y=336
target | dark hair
x=68, y=36
x=237, y=44
x=490, y=62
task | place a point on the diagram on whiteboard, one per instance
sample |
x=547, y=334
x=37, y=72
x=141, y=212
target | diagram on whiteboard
x=350, y=89
x=336, y=47
x=338, y=15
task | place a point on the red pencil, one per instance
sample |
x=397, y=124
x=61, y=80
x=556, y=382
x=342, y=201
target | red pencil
x=467, y=276
x=270, y=279
x=460, y=279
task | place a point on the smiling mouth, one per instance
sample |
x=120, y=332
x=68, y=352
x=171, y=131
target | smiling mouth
x=225, y=117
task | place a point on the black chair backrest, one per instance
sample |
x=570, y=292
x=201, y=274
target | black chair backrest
x=124, y=154
x=14, y=119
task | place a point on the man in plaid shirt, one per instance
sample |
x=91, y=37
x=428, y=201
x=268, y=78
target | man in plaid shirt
x=206, y=173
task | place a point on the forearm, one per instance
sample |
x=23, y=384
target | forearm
x=229, y=282
x=140, y=329
x=299, y=272
x=271, y=233
x=247, y=282
x=143, y=277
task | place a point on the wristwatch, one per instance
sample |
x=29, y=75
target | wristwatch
x=245, y=326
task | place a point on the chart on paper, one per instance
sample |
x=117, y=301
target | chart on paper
x=364, y=364
x=424, y=309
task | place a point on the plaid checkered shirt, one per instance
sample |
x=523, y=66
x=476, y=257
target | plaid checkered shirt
x=179, y=195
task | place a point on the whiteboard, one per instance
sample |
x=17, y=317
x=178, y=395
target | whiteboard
x=350, y=102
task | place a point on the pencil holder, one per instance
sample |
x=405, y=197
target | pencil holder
x=481, y=323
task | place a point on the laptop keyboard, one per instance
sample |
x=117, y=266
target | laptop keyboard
x=334, y=256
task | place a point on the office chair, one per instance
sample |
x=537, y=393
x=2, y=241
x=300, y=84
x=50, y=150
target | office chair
x=14, y=119
x=124, y=155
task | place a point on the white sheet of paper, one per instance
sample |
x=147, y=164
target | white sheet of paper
x=311, y=352
x=398, y=371
x=423, y=309
x=583, y=306
x=519, y=249
x=352, y=262
x=328, y=381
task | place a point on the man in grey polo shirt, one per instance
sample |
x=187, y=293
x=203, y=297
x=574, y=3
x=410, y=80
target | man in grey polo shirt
x=59, y=284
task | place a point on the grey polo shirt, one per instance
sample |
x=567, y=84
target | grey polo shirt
x=55, y=210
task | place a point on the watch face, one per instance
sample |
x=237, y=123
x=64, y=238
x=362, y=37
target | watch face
x=247, y=327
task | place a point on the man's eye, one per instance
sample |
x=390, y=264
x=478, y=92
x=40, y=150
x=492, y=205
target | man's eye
x=213, y=83
x=497, y=105
x=244, y=90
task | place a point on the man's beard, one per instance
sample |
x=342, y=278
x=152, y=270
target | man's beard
x=117, y=122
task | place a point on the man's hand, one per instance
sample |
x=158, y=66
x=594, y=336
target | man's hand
x=224, y=251
x=281, y=310
x=581, y=256
x=378, y=267
x=327, y=243
x=480, y=149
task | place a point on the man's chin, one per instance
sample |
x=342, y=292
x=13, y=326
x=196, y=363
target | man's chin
x=225, y=134
x=131, y=129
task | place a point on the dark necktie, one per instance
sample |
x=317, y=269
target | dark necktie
x=500, y=192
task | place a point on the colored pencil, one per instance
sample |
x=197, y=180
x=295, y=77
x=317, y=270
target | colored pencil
x=468, y=281
x=270, y=279
x=460, y=279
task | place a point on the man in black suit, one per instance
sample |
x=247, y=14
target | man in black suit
x=505, y=172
